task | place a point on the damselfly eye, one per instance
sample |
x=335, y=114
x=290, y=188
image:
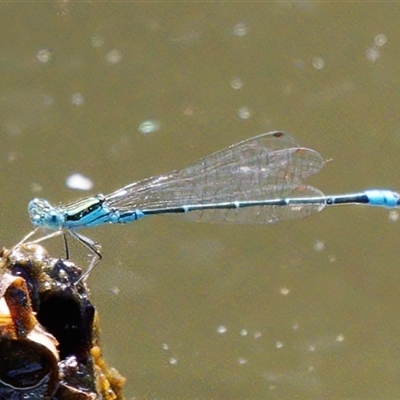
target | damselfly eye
x=53, y=216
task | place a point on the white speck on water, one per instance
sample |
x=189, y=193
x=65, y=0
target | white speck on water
x=222, y=329
x=149, y=126
x=236, y=83
x=318, y=62
x=44, y=55
x=240, y=29
x=77, y=99
x=244, y=113
x=114, y=56
x=79, y=182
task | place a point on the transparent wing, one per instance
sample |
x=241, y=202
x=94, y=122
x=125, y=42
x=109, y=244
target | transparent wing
x=271, y=165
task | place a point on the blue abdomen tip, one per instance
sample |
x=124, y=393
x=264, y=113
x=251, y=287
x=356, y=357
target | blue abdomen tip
x=383, y=198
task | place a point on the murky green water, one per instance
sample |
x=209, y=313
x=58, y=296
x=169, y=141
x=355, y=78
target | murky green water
x=304, y=308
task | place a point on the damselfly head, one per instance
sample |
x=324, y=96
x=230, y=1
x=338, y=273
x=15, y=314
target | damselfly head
x=398, y=199
x=42, y=213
